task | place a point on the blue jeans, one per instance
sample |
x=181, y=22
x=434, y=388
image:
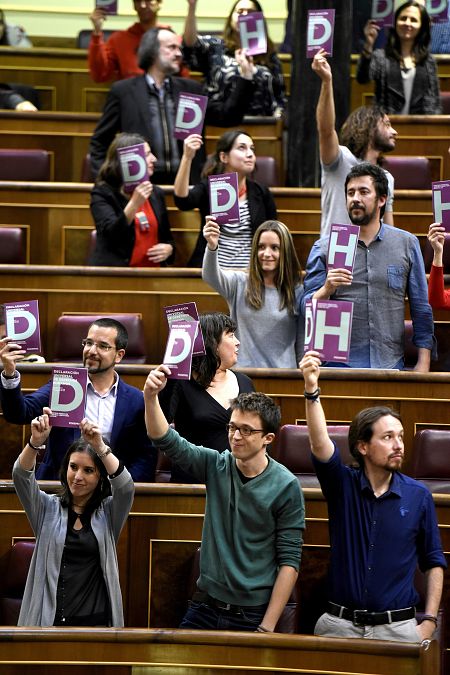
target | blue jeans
x=204, y=617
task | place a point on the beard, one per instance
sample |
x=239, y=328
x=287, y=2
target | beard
x=364, y=218
x=382, y=143
x=97, y=368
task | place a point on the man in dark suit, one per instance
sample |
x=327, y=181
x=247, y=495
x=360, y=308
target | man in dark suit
x=114, y=405
x=147, y=105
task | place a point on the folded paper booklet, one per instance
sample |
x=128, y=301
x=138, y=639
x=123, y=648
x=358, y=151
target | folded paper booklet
x=68, y=396
x=252, y=31
x=328, y=328
x=187, y=312
x=133, y=164
x=179, y=349
x=22, y=324
x=441, y=202
x=224, y=198
x=383, y=13
x=342, y=247
x=320, y=31
x=108, y=6
x=190, y=116
x=437, y=10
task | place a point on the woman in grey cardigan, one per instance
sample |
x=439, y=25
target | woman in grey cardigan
x=74, y=578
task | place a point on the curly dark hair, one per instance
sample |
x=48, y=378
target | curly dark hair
x=359, y=128
x=261, y=404
x=423, y=38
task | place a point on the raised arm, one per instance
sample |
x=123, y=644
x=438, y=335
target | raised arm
x=325, y=111
x=40, y=430
x=155, y=420
x=191, y=144
x=190, y=26
x=321, y=444
x=92, y=434
x=371, y=30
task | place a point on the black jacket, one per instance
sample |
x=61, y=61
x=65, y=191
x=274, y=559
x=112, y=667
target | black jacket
x=133, y=107
x=115, y=237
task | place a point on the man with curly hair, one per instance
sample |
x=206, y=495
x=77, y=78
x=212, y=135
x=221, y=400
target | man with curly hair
x=364, y=136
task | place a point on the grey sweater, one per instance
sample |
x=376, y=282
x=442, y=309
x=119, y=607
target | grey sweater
x=270, y=337
x=48, y=520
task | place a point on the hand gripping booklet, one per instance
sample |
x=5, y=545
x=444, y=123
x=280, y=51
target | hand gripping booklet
x=328, y=328
x=68, y=396
x=179, y=348
x=224, y=198
x=252, y=31
x=383, y=13
x=342, y=246
x=441, y=202
x=133, y=164
x=108, y=6
x=187, y=312
x=320, y=31
x=22, y=324
x=190, y=116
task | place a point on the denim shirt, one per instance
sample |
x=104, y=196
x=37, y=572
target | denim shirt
x=384, y=272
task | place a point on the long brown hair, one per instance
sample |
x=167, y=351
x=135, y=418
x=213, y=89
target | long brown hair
x=214, y=164
x=232, y=42
x=288, y=274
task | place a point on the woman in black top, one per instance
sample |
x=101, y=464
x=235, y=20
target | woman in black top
x=200, y=407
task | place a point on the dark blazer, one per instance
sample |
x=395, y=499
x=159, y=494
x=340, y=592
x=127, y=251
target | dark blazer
x=115, y=237
x=261, y=206
x=129, y=439
x=129, y=104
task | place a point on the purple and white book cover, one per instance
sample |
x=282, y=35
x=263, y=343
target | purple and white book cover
x=68, y=396
x=22, y=324
x=224, y=197
x=252, y=31
x=441, y=202
x=342, y=246
x=190, y=116
x=179, y=349
x=328, y=328
x=383, y=13
x=187, y=312
x=133, y=164
x=320, y=31
x=437, y=10
x=108, y=6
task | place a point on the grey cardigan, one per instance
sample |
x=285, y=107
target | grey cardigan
x=48, y=520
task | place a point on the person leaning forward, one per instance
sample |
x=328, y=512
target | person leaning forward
x=382, y=526
x=115, y=406
x=254, y=518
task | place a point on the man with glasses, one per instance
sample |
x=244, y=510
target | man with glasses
x=115, y=406
x=254, y=518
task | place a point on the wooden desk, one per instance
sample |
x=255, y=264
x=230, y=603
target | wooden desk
x=127, y=651
x=60, y=219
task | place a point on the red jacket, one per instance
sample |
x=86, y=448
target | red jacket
x=438, y=296
x=116, y=59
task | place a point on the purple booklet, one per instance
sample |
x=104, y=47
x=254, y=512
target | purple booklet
x=328, y=328
x=108, y=6
x=383, y=12
x=190, y=116
x=252, y=30
x=224, y=197
x=342, y=247
x=320, y=31
x=437, y=10
x=68, y=396
x=441, y=202
x=179, y=349
x=187, y=312
x=133, y=164
x=22, y=324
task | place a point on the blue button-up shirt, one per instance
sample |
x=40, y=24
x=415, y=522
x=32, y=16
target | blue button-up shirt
x=377, y=542
x=384, y=272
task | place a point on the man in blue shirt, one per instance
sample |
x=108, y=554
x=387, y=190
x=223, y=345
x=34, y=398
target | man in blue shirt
x=388, y=266
x=382, y=526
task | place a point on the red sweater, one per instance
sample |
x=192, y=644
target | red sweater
x=116, y=59
x=438, y=297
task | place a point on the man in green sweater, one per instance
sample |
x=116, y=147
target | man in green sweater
x=254, y=518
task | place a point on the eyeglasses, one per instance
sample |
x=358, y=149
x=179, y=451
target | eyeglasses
x=101, y=346
x=244, y=430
